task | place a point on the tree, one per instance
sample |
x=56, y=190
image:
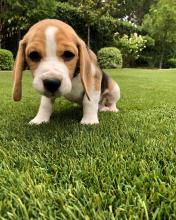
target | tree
x=160, y=23
x=129, y=10
x=102, y=28
x=19, y=15
x=4, y=12
x=92, y=11
x=90, y=17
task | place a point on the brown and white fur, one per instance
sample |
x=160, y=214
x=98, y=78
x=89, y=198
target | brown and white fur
x=62, y=65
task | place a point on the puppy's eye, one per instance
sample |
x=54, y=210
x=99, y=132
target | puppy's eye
x=68, y=55
x=35, y=56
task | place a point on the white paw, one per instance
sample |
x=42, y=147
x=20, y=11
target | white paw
x=108, y=109
x=89, y=121
x=113, y=109
x=103, y=109
x=38, y=121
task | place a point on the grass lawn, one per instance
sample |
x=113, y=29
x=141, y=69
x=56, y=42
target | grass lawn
x=123, y=168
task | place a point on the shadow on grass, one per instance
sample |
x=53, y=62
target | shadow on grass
x=72, y=114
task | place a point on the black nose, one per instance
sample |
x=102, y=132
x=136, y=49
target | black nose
x=51, y=84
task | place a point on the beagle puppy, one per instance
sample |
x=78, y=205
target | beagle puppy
x=62, y=65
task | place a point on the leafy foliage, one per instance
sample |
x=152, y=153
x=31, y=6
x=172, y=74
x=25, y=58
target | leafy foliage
x=171, y=63
x=131, y=47
x=160, y=23
x=132, y=11
x=20, y=15
x=97, y=22
x=101, y=30
x=70, y=15
x=110, y=57
x=146, y=58
x=83, y=16
x=144, y=61
x=6, y=59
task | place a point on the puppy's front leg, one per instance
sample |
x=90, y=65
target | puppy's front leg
x=90, y=108
x=44, y=112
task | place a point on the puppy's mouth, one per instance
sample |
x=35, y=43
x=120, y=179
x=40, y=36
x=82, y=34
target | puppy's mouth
x=51, y=95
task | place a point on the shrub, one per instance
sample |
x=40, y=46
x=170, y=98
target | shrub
x=110, y=57
x=147, y=56
x=6, y=59
x=131, y=47
x=145, y=61
x=171, y=63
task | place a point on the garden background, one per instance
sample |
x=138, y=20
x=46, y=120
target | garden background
x=123, y=168
x=143, y=30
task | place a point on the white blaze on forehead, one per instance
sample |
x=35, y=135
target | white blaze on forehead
x=50, y=35
x=51, y=67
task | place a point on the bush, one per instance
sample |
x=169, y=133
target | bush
x=171, y=63
x=6, y=59
x=145, y=61
x=130, y=46
x=110, y=57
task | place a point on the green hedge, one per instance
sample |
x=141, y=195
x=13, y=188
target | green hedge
x=110, y=57
x=6, y=59
x=145, y=61
x=171, y=63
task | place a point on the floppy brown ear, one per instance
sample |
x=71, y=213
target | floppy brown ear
x=18, y=71
x=85, y=68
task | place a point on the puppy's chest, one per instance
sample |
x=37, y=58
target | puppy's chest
x=77, y=92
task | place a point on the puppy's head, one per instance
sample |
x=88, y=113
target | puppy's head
x=53, y=51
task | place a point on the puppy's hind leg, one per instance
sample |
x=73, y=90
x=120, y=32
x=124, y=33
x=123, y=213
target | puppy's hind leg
x=110, y=98
x=44, y=112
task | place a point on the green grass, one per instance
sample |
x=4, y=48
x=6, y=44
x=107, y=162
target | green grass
x=124, y=168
